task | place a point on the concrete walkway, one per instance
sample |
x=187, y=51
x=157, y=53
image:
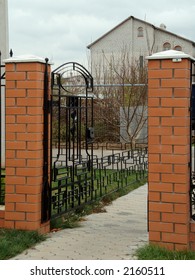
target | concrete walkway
x=113, y=235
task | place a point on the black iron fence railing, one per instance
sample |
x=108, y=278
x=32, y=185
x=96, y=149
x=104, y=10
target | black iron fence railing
x=108, y=174
x=2, y=129
x=90, y=128
x=2, y=167
x=192, y=142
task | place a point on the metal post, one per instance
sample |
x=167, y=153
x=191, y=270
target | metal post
x=0, y=132
x=46, y=185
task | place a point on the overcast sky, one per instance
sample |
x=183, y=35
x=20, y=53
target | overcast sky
x=61, y=29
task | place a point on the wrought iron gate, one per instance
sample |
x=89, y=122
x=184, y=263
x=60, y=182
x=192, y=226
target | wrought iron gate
x=80, y=173
x=72, y=137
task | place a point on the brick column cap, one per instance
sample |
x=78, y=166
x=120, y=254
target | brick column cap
x=176, y=56
x=25, y=59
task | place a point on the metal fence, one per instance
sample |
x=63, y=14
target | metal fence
x=108, y=174
x=89, y=159
x=192, y=139
x=2, y=167
x=2, y=128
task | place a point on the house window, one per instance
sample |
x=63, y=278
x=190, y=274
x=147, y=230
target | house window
x=178, y=48
x=140, y=32
x=166, y=46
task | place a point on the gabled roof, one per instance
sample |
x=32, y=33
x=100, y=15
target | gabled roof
x=141, y=21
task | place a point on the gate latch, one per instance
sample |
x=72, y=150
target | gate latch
x=90, y=134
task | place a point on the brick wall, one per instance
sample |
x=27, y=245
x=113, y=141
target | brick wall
x=169, y=93
x=24, y=144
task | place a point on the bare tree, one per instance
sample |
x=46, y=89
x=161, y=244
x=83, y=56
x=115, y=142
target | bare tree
x=121, y=103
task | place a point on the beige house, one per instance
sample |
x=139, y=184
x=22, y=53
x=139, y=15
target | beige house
x=4, y=42
x=4, y=28
x=138, y=39
x=116, y=56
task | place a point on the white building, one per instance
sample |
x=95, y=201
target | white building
x=139, y=39
x=113, y=54
x=4, y=48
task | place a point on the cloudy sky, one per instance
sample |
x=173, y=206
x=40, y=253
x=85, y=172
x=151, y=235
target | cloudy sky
x=62, y=29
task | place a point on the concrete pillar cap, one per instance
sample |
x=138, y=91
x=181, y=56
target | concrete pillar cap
x=25, y=58
x=170, y=54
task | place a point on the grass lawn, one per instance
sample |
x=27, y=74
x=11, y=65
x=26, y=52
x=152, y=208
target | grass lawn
x=153, y=252
x=14, y=242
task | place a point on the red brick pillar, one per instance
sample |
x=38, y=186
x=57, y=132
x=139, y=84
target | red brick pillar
x=169, y=91
x=24, y=143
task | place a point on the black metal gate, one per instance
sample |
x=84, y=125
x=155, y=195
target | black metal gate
x=72, y=138
x=81, y=170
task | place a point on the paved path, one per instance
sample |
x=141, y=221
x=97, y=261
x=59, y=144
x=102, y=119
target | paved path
x=113, y=235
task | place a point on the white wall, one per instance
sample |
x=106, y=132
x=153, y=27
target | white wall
x=124, y=37
x=4, y=48
x=4, y=28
